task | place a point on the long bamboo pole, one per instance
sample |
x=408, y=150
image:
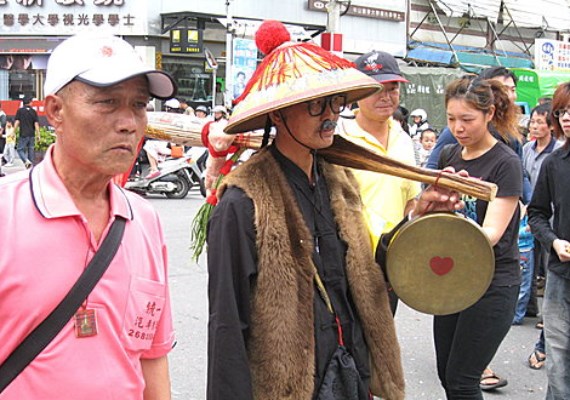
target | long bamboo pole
x=345, y=153
x=180, y=129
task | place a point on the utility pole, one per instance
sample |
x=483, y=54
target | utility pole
x=333, y=16
x=229, y=55
x=332, y=39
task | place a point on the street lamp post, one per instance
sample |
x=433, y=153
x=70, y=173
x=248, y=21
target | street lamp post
x=229, y=55
x=332, y=38
x=333, y=16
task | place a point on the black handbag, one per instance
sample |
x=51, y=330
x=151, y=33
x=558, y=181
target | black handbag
x=341, y=380
x=48, y=329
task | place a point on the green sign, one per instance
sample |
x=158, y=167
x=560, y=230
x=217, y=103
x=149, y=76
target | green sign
x=533, y=84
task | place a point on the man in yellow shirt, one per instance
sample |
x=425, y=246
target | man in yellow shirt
x=386, y=199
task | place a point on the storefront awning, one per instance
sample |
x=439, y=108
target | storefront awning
x=466, y=57
x=431, y=55
x=243, y=27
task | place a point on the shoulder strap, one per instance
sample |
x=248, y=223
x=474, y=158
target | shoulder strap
x=446, y=154
x=48, y=329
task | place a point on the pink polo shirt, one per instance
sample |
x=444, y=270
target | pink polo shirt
x=46, y=244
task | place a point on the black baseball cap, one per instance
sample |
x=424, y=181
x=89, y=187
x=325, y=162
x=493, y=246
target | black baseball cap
x=381, y=66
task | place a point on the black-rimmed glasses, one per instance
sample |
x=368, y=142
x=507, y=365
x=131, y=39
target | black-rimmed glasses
x=560, y=113
x=337, y=104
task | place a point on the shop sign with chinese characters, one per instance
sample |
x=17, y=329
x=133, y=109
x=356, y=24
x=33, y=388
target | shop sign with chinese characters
x=396, y=12
x=67, y=17
x=186, y=41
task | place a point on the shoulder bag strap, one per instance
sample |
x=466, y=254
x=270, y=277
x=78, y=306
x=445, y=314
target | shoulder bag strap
x=48, y=329
x=446, y=154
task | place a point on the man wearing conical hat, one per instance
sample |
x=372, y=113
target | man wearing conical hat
x=296, y=298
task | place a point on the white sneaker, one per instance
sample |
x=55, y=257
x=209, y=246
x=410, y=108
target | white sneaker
x=9, y=164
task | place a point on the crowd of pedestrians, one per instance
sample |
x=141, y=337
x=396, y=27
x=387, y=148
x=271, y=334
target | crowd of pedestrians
x=299, y=302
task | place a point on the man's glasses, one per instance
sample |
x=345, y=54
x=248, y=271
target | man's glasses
x=560, y=113
x=337, y=104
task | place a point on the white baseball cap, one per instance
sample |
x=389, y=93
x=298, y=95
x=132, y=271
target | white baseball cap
x=172, y=103
x=220, y=109
x=102, y=60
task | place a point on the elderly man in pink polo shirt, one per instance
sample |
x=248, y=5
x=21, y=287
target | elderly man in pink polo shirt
x=55, y=218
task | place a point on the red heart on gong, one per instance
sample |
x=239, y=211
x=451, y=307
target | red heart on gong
x=441, y=265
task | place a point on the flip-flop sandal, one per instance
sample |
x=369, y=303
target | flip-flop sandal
x=536, y=361
x=500, y=382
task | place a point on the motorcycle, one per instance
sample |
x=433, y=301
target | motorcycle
x=175, y=179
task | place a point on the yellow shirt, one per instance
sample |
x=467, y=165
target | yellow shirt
x=384, y=196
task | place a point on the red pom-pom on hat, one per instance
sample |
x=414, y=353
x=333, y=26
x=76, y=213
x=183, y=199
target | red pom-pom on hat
x=270, y=35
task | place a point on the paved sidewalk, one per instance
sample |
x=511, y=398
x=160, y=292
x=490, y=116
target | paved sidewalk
x=18, y=166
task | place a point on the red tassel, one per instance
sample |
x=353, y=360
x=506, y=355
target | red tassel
x=270, y=35
x=227, y=167
x=212, y=199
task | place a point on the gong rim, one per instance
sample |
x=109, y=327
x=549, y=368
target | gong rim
x=440, y=263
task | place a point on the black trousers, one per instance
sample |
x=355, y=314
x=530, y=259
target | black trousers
x=466, y=342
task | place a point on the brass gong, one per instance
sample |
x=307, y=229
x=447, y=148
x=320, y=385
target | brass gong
x=440, y=263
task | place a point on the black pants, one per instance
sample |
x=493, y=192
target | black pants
x=466, y=342
x=541, y=255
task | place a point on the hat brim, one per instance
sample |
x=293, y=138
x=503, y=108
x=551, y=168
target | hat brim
x=160, y=84
x=387, y=78
x=253, y=114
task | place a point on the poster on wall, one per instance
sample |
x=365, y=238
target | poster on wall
x=551, y=55
x=244, y=64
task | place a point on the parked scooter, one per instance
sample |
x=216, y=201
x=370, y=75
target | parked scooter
x=177, y=176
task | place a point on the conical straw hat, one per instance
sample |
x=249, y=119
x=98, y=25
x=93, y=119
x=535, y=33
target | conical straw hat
x=293, y=73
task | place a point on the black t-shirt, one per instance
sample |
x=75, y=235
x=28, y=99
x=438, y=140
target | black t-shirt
x=499, y=165
x=27, y=117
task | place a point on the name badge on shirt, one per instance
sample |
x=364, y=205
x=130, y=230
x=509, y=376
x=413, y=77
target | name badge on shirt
x=85, y=323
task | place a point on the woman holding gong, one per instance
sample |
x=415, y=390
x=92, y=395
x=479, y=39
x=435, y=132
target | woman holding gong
x=466, y=342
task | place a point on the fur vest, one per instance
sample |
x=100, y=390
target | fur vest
x=281, y=343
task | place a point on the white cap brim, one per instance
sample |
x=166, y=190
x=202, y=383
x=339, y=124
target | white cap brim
x=102, y=61
x=160, y=84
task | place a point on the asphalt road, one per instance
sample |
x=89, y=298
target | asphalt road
x=189, y=295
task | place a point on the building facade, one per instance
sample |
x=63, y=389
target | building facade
x=190, y=38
